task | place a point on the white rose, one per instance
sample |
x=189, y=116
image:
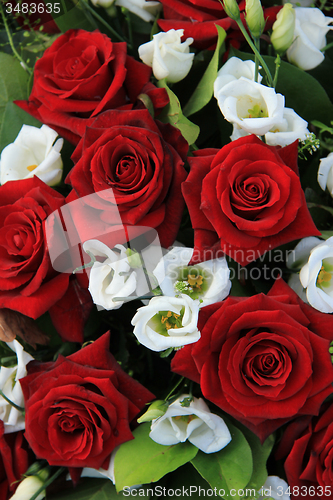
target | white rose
x=194, y=423
x=167, y=55
x=309, y=37
x=10, y=386
x=316, y=277
x=232, y=70
x=147, y=10
x=112, y=277
x=325, y=173
x=33, y=153
x=291, y=128
x=167, y=322
x=275, y=488
x=253, y=107
x=207, y=281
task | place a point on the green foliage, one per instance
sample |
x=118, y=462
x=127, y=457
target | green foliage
x=143, y=461
x=13, y=85
x=88, y=489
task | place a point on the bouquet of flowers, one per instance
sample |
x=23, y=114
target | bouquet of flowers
x=166, y=249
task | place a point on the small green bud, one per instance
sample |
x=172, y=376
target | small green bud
x=283, y=29
x=155, y=410
x=231, y=9
x=134, y=258
x=255, y=17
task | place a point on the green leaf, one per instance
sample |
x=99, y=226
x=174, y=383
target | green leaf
x=13, y=85
x=142, y=461
x=88, y=489
x=71, y=16
x=326, y=234
x=172, y=113
x=205, y=89
x=303, y=93
x=230, y=468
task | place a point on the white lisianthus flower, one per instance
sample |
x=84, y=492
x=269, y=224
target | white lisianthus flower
x=194, y=423
x=111, y=278
x=232, y=70
x=10, y=386
x=167, y=322
x=316, y=276
x=275, y=488
x=309, y=38
x=325, y=173
x=33, y=153
x=207, y=281
x=167, y=55
x=291, y=128
x=252, y=106
x=147, y=10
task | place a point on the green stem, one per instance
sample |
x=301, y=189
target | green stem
x=277, y=67
x=48, y=482
x=17, y=407
x=256, y=53
x=174, y=388
x=129, y=27
x=256, y=59
x=89, y=264
x=328, y=46
x=113, y=32
x=11, y=43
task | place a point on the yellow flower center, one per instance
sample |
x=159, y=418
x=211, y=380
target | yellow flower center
x=257, y=112
x=32, y=167
x=323, y=276
x=195, y=281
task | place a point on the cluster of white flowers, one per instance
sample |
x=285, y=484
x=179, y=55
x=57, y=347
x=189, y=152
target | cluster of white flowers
x=254, y=108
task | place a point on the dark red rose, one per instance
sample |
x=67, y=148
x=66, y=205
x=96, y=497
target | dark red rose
x=263, y=359
x=78, y=409
x=198, y=19
x=141, y=160
x=244, y=199
x=308, y=444
x=28, y=283
x=83, y=74
x=14, y=461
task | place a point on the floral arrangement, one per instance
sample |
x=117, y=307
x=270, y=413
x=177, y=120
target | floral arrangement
x=166, y=249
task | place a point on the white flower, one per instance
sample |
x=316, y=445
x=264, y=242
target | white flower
x=309, y=37
x=112, y=277
x=194, y=423
x=291, y=128
x=147, y=10
x=275, y=488
x=33, y=153
x=207, y=281
x=232, y=70
x=252, y=106
x=325, y=173
x=167, y=322
x=28, y=487
x=316, y=276
x=10, y=386
x=167, y=55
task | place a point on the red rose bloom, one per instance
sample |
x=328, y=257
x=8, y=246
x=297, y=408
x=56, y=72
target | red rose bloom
x=198, y=19
x=263, y=359
x=141, y=160
x=245, y=199
x=78, y=409
x=81, y=75
x=308, y=444
x=14, y=461
x=28, y=283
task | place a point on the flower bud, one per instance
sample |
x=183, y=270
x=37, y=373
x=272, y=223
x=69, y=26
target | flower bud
x=231, y=9
x=283, y=29
x=255, y=17
x=155, y=410
x=29, y=486
x=134, y=258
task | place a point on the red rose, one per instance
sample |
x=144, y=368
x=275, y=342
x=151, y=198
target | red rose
x=263, y=359
x=78, y=409
x=198, y=19
x=14, y=461
x=308, y=444
x=142, y=161
x=81, y=75
x=28, y=283
x=244, y=199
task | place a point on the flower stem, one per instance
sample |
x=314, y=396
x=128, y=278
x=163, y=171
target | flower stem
x=17, y=407
x=256, y=59
x=256, y=52
x=48, y=482
x=11, y=43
